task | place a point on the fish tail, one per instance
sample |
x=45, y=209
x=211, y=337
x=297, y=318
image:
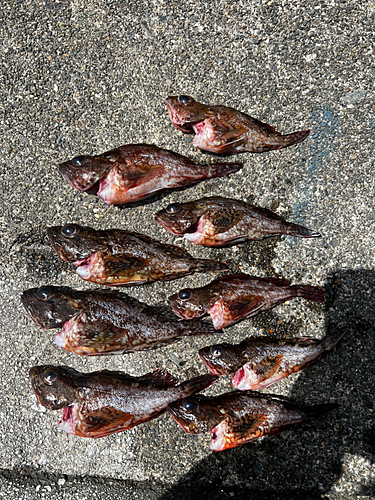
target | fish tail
x=221, y=169
x=198, y=327
x=296, y=137
x=331, y=339
x=196, y=384
x=204, y=265
x=308, y=292
x=316, y=411
x=300, y=231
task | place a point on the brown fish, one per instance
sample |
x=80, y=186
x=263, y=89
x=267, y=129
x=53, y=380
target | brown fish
x=115, y=257
x=220, y=129
x=137, y=171
x=99, y=322
x=239, y=417
x=259, y=362
x=101, y=403
x=238, y=296
x=218, y=221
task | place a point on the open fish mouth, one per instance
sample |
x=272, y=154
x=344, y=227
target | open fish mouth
x=68, y=419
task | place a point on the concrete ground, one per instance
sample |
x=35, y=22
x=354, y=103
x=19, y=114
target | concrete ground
x=80, y=77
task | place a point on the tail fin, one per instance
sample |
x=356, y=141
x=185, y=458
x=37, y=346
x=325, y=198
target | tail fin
x=198, y=327
x=308, y=292
x=300, y=231
x=221, y=169
x=196, y=384
x=295, y=138
x=204, y=265
x=331, y=339
x=317, y=411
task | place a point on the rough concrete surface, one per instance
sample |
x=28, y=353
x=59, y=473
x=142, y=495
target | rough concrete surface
x=85, y=76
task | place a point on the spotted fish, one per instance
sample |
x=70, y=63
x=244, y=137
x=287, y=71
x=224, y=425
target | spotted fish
x=219, y=221
x=220, y=129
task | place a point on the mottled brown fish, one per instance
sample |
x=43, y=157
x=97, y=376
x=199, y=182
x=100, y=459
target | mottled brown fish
x=115, y=257
x=238, y=296
x=96, y=322
x=137, y=171
x=259, y=362
x=218, y=221
x=101, y=403
x=220, y=129
x=239, y=417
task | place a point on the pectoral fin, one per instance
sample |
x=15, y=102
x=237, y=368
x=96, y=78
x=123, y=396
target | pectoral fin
x=123, y=268
x=243, y=430
x=221, y=220
x=104, y=421
x=267, y=367
x=244, y=308
x=142, y=174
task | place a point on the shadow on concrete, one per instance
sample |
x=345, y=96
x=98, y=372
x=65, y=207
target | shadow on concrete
x=307, y=461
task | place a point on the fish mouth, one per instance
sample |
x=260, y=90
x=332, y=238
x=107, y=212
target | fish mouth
x=178, y=232
x=213, y=369
x=239, y=380
x=68, y=419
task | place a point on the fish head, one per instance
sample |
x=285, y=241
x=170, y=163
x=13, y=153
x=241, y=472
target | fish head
x=50, y=306
x=83, y=172
x=221, y=359
x=185, y=112
x=73, y=242
x=54, y=386
x=189, y=303
x=181, y=218
x=195, y=414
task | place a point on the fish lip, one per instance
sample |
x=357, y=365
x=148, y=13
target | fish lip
x=211, y=367
x=185, y=127
x=189, y=230
x=180, y=422
x=167, y=227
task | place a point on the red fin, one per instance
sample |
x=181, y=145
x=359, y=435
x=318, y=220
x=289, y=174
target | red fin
x=204, y=265
x=295, y=137
x=141, y=176
x=159, y=377
x=267, y=367
x=104, y=421
x=308, y=292
x=240, y=309
x=275, y=281
x=221, y=220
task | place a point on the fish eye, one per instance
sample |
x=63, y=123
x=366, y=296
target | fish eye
x=185, y=99
x=217, y=351
x=50, y=376
x=172, y=208
x=78, y=160
x=69, y=231
x=44, y=293
x=185, y=294
x=189, y=405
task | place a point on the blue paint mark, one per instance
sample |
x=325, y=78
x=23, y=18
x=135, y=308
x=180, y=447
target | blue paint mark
x=323, y=144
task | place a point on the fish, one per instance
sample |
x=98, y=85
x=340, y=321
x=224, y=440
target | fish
x=238, y=296
x=259, y=362
x=100, y=403
x=218, y=221
x=137, y=171
x=220, y=129
x=115, y=257
x=238, y=417
x=97, y=322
